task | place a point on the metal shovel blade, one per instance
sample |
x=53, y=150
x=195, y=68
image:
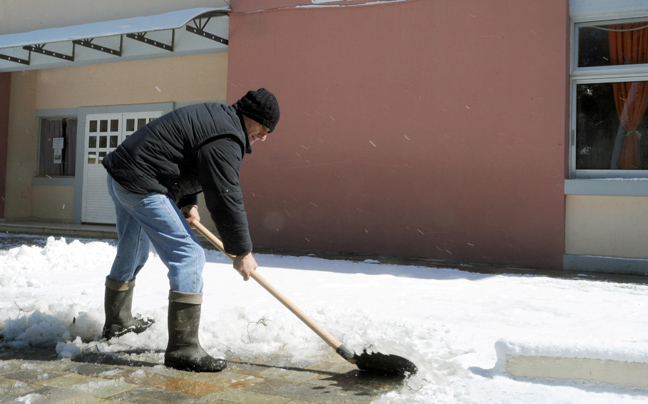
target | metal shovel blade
x=378, y=363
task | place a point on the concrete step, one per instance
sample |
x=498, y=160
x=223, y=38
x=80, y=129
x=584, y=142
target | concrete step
x=621, y=364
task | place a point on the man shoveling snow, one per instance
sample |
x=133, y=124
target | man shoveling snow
x=154, y=178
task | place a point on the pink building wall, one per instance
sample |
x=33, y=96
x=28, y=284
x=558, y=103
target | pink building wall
x=419, y=128
x=5, y=85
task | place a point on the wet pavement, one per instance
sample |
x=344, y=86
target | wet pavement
x=37, y=375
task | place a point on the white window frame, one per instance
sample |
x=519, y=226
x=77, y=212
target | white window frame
x=599, y=74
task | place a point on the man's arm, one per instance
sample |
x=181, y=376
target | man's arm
x=219, y=163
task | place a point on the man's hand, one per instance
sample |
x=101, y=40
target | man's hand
x=190, y=213
x=245, y=264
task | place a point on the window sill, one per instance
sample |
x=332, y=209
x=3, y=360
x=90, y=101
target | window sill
x=56, y=181
x=608, y=187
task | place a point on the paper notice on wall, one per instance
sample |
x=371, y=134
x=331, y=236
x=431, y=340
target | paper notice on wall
x=57, y=144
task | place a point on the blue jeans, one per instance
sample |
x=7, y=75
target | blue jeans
x=153, y=219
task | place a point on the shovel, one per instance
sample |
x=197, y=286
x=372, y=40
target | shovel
x=373, y=362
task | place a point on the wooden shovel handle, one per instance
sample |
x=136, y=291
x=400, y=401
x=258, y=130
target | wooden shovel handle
x=328, y=338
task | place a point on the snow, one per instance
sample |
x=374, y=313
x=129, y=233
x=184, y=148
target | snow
x=450, y=323
x=610, y=350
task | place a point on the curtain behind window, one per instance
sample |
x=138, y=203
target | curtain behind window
x=629, y=45
x=70, y=147
x=50, y=129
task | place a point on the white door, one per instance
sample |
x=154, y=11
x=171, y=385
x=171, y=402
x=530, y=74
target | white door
x=103, y=133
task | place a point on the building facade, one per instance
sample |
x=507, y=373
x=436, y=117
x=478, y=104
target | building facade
x=464, y=131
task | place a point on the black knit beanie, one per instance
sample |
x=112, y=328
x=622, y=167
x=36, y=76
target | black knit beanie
x=262, y=106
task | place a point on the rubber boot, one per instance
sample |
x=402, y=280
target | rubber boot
x=117, y=305
x=184, y=351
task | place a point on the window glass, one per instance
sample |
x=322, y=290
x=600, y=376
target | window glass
x=611, y=126
x=609, y=123
x=612, y=44
x=593, y=47
x=57, y=151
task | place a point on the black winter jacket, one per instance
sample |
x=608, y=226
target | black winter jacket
x=184, y=152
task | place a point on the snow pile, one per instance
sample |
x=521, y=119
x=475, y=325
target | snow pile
x=447, y=322
x=611, y=350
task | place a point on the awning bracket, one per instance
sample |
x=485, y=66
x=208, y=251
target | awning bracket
x=88, y=44
x=199, y=29
x=15, y=59
x=40, y=48
x=141, y=36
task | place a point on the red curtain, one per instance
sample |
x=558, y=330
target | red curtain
x=629, y=45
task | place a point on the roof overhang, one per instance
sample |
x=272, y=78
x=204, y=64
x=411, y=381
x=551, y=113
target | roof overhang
x=176, y=33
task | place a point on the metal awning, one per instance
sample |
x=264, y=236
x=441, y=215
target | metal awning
x=205, y=30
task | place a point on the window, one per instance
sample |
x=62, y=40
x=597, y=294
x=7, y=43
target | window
x=57, y=155
x=610, y=92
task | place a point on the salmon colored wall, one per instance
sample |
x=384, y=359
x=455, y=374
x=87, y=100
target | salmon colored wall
x=5, y=86
x=418, y=128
